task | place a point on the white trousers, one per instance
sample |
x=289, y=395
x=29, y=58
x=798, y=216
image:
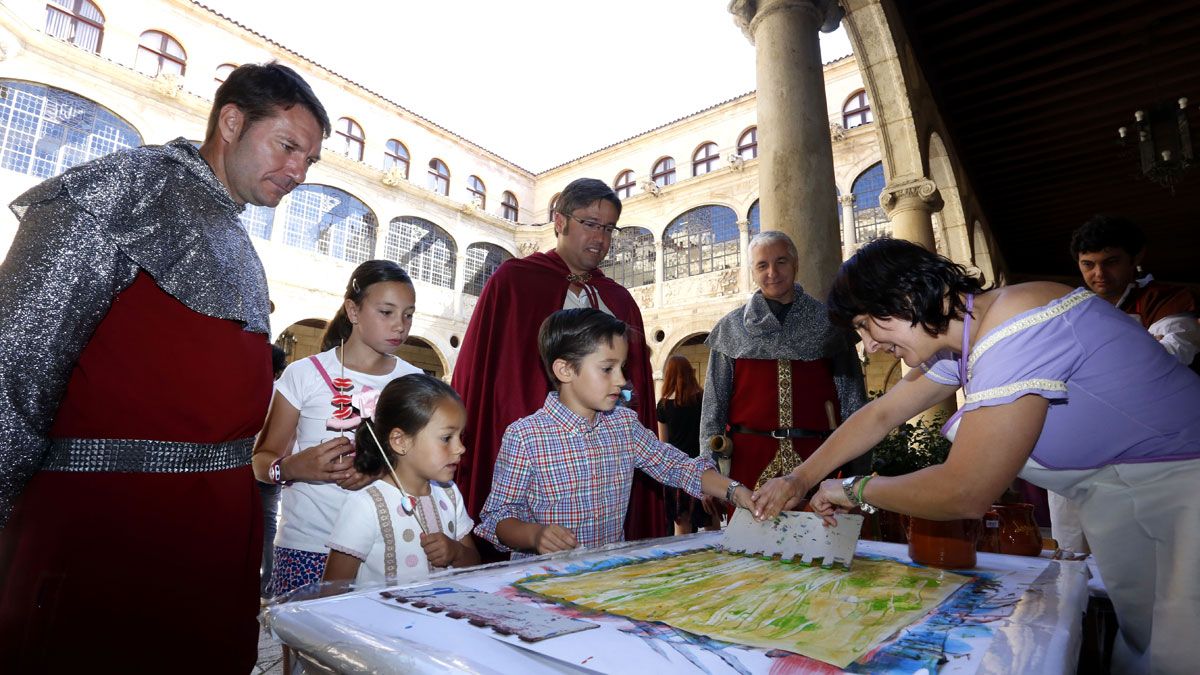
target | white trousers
x=1143, y=524
x=1064, y=524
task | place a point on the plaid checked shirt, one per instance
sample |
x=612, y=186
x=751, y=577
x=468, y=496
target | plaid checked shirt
x=555, y=467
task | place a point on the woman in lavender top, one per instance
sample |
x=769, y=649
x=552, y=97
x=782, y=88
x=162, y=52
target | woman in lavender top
x=1061, y=389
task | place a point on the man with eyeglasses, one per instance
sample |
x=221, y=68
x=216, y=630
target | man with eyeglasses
x=499, y=372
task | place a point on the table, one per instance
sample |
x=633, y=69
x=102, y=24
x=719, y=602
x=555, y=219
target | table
x=1032, y=623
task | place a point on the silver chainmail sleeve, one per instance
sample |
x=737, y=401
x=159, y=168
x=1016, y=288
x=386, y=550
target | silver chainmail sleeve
x=714, y=411
x=56, y=285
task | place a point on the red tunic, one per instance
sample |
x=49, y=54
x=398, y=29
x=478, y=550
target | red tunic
x=155, y=571
x=754, y=405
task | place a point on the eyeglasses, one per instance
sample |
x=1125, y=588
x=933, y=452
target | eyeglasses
x=592, y=225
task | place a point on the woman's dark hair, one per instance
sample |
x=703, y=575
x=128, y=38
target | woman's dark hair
x=572, y=334
x=260, y=91
x=679, y=381
x=366, y=274
x=406, y=403
x=894, y=278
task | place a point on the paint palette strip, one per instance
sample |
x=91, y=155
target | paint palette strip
x=485, y=610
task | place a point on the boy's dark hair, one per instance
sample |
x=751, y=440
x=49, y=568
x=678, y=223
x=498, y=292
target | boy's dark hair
x=261, y=90
x=406, y=403
x=278, y=360
x=583, y=192
x=366, y=274
x=894, y=278
x=572, y=334
x=1102, y=231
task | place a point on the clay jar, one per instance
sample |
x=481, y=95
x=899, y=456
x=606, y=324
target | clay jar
x=1011, y=529
x=948, y=544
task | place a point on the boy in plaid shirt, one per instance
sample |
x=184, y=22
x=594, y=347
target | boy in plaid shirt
x=563, y=475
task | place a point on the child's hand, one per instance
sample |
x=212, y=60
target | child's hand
x=744, y=498
x=554, y=538
x=440, y=549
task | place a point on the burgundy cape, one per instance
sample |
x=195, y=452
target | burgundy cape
x=500, y=377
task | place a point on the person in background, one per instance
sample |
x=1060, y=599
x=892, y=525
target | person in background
x=679, y=425
x=136, y=371
x=496, y=370
x=780, y=376
x=1061, y=389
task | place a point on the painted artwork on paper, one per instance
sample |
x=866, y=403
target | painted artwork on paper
x=830, y=615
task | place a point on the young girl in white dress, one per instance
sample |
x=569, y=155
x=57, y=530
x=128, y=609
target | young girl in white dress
x=411, y=521
x=305, y=444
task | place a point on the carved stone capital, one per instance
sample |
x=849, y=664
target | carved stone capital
x=847, y=200
x=393, y=177
x=527, y=248
x=748, y=14
x=167, y=85
x=920, y=193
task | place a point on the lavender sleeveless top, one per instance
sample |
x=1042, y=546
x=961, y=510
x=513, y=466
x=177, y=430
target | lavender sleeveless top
x=1116, y=395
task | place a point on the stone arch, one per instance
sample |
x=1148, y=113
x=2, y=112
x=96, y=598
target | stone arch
x=423, y=354
x=328, y=220
x=950, y=231
x=982, y=255
x=302, y=338
x=692, y=346
x=701, y=239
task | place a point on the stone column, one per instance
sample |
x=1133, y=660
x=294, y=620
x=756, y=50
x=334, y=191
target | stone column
x=795, y=152
x=849, y=238
x=744, y=279
x=460, y=282
x=910, y=205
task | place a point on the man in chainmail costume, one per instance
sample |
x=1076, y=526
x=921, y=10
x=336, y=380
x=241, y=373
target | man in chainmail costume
x=135, y=369
x=780, y=376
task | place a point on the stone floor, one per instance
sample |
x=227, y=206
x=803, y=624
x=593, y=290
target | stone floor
x=270, y=655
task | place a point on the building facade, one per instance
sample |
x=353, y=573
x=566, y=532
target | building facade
x=81, y=78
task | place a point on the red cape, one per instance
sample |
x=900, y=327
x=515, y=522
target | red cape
x=500, y=378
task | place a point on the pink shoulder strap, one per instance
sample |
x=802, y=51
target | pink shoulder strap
x=325, y=375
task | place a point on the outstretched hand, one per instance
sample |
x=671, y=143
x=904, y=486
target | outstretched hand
x=778, y=494
x=554, y=538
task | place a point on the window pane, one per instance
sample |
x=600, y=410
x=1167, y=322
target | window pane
x=704, y=239
x=45, y=131
x=423, y=249
x=326, y=220
x=482, y=262
x=870, y=221
x=631, y=257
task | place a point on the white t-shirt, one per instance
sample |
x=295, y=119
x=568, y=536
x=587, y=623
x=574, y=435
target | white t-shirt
x=360, y=530
x=308, y=510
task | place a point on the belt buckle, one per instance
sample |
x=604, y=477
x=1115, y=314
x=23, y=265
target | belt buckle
x=779, y=434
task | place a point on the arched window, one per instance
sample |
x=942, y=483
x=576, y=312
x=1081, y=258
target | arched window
x=79, y=22
x=395, y=156
x=664, y=172
x=705, y=159
x=439, y=177
x=623, y=185
x=748, y=143
x=258, y=220
x=222, y=72
x=45, y=131
x=754, y=218
x=508, y=206
x=423, y=249
x=477, y=190
x=330, y=221
x=870, y=221
x=159, y=53
x=630, y=260
x=482, y=262
x=704, y=239
x=857, y=110
x=349, y=135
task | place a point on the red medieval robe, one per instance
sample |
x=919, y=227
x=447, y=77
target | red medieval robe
x=500, y=377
